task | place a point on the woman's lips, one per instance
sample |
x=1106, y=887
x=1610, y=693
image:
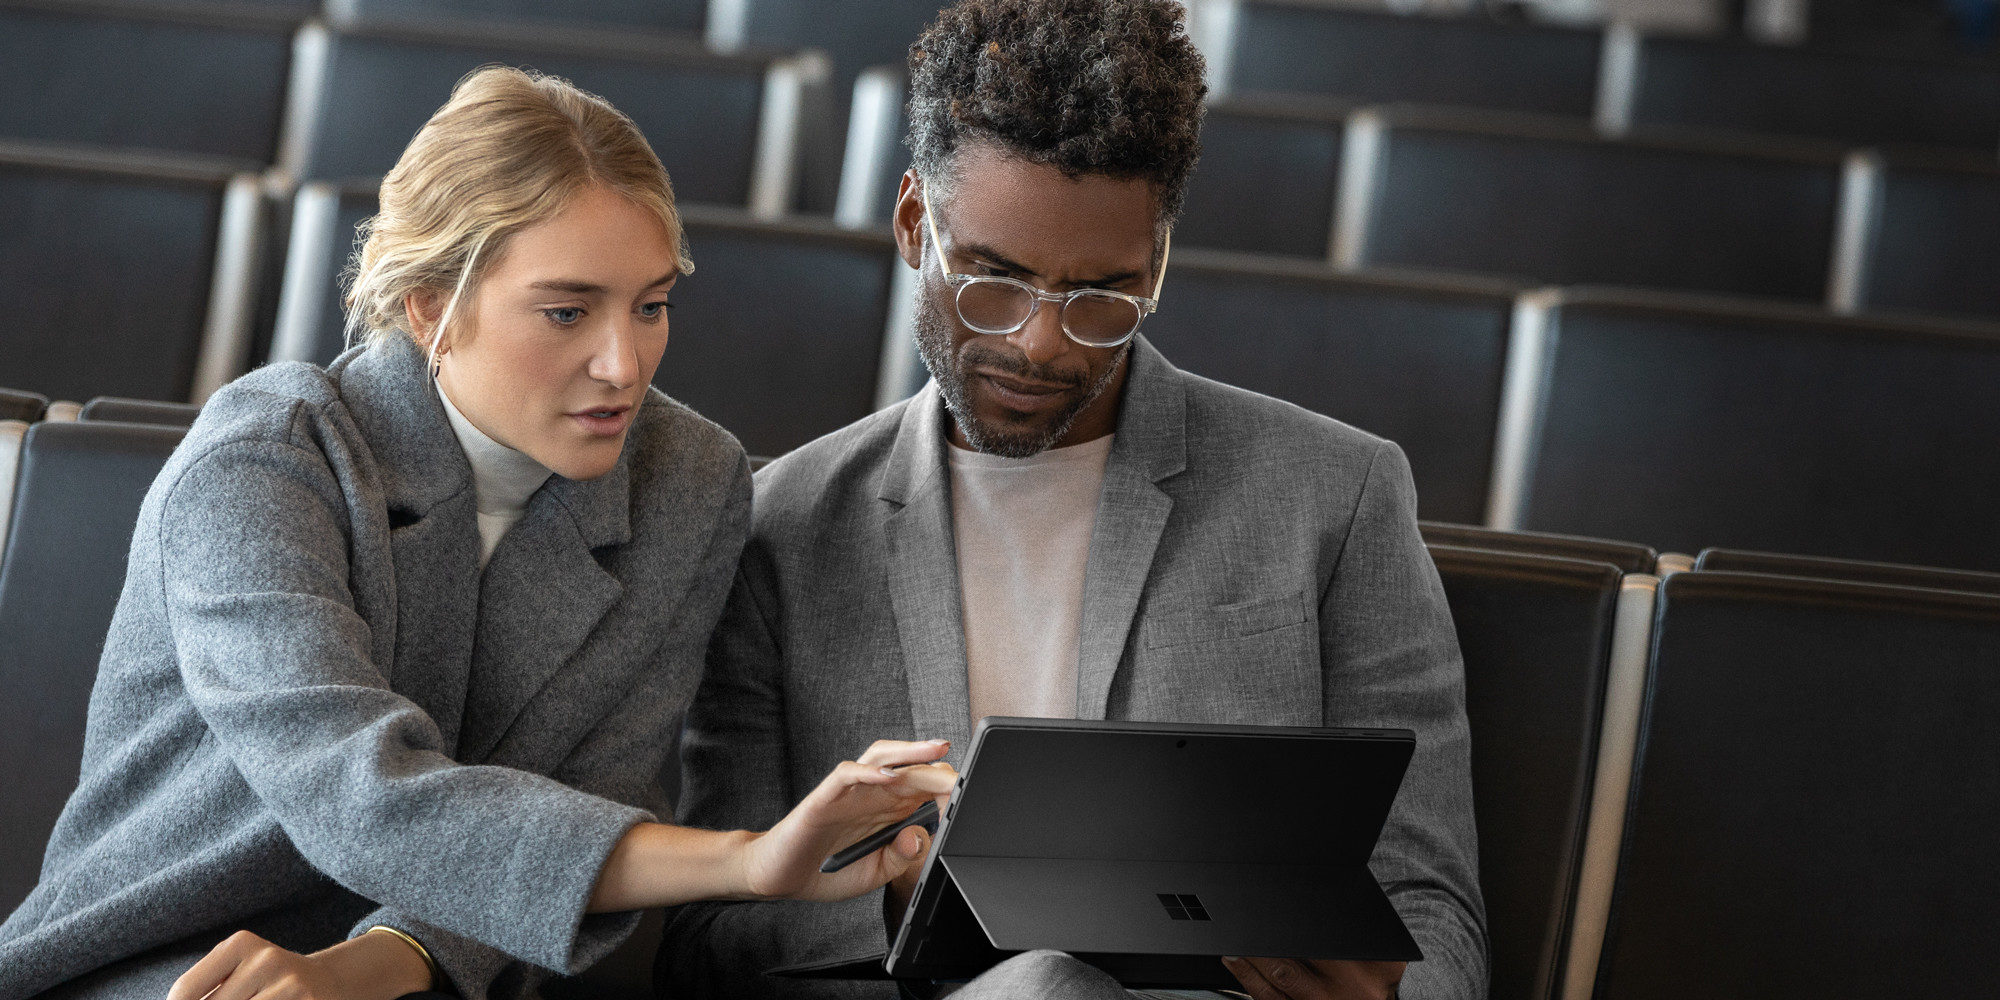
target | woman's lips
x=607, y=422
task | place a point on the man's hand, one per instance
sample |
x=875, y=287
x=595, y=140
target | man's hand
x=1313, y=979
x=245, y=966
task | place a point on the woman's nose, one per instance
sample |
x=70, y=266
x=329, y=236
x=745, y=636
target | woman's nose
x=616, y=361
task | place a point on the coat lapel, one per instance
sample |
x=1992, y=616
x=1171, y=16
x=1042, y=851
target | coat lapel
x=923, y=573
x=551, y=592
x=1131, y=515
x=433, y=531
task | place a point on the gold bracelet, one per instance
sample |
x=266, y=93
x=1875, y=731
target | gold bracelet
x=422, y=952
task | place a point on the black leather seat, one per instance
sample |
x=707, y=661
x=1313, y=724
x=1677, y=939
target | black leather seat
x=139, y=411
x=164, y=77
x=1694, y=424
x=1844, y=96
x=18, y=405
x=1268, y=178
x=853, y=36
x=106, y=267
x=1629, y=557
x=1934, y=242
x=63, y=567
x=1368, y=55
x=1536, y=633
x=1892, y=574
x=778, y=334
x=700, y=111
x=1417, y=362
x=1814, y=806
x=1552, y=202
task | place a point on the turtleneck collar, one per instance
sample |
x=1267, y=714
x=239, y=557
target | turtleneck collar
x=502, y=479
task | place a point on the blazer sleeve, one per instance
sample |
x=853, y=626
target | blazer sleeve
x=734, y=768
x=254, y=540
x=1391, y=659
x=620, y=759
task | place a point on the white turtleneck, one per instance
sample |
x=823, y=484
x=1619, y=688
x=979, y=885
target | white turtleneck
x=502, y=479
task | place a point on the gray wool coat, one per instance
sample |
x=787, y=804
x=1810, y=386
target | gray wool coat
x=315, y=714
x=1251, y=563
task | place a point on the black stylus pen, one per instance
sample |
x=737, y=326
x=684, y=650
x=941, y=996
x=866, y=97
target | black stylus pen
x=926, y=814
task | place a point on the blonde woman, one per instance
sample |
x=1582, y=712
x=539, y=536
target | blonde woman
x=401, y=640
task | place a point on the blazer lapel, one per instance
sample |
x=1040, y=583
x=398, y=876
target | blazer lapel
x=923, y=573
x=1131, y=516
x=542, y=594
x=433, y=531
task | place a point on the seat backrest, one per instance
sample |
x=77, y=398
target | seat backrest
x=1554, y=203
x=362, y=94
x=1268, y=178
x=23, y=406
x=1847, y=97
x=778, y=334
x=163, y=80
x=627, y=15
x=1854, y=570
x=1629, y=557
x=1536, y=633
x=139, y=411
x=1693, y=424
x=76, y=501
x=1813, y=810
x=1417, y=362
x=107, y=268
x=1933, y=244
x=1370, y=55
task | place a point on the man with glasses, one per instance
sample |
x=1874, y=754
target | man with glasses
x=1063, y=524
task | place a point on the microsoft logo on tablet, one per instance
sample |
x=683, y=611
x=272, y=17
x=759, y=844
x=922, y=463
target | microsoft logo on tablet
x=1182, y=906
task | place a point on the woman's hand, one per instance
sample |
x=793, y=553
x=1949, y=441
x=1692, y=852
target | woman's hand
x=245, y=966
x=860, y=797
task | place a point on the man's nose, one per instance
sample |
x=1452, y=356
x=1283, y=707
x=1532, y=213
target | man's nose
x=1041, y=339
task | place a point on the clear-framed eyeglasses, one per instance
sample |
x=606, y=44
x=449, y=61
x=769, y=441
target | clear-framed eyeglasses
x=1093, y=317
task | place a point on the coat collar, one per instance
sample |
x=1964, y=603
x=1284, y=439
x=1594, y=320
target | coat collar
x=475, y=672
x=1151, y=446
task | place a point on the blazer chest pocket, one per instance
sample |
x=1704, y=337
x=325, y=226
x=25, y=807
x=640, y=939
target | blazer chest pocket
x=1228, y=621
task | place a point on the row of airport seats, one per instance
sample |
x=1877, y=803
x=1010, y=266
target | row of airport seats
x=144, y=242
x=1552, y=200
x=1734, y=769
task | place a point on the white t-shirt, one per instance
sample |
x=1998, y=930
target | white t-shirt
x=1022, y=528
x=502, y=479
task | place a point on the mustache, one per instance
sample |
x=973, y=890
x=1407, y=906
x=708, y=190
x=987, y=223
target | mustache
x=979, y=355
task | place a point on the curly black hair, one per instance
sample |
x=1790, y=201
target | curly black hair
x=1110, y=87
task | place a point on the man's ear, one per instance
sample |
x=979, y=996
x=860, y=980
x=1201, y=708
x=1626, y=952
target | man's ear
x=421, y=310
x=908, y=220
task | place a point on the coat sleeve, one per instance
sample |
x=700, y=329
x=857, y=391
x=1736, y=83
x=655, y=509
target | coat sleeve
x=620, y=759
x=273, y=656
x=1390, y=659
x=734, y=768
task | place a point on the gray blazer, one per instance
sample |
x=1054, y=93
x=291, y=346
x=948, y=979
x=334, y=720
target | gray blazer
x=1251, y=563
x=315, y=714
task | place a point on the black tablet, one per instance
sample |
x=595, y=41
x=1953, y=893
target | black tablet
x=1152, y=849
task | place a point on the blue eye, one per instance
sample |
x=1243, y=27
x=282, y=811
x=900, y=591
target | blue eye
x=655, y=310
x=564, y=315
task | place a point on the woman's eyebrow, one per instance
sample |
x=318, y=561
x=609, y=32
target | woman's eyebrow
x=578, y=287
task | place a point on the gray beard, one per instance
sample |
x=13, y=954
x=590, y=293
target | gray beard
x=934, y=347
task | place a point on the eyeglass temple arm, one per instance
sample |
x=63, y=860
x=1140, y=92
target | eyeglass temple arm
x=930, y=220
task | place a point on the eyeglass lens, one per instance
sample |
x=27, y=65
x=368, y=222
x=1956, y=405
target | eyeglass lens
x=992, y=306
